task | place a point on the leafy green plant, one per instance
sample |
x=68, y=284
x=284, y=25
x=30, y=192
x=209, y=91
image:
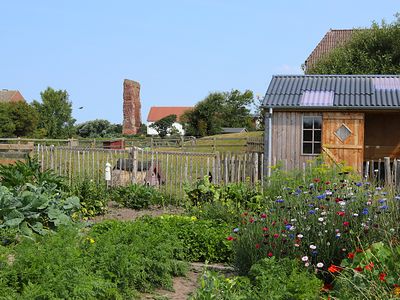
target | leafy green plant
x=29, y=171
x=204, y=240
x=35, y=209
x=371, y=273
x=93, y=197
x=137, y=196
x=268, y=279
x=52, y=267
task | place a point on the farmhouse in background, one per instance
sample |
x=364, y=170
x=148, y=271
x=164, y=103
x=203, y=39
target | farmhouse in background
x=10, y=96
x=351, y=118
x=233, y=130
x=332, y=39
x=158, y=112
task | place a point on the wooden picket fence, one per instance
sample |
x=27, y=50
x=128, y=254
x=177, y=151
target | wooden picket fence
x=167, y=170
x=385, y=171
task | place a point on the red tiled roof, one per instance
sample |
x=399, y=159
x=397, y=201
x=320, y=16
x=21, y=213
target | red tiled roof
x=332, y=39
x=158, y=112
x=10, y=96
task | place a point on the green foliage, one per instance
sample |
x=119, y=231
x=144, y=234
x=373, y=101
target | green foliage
x=28, y=171
x=218, y=287
x=55, y=113
x=283, y=279
x=7, y=127
x=204, y=240
x=35, y=209
x=98, y=128
x=372, y=273
x=17, y=119
x=137, y=196
x=222, y=202
x=268, y=279
x=164, y=125
x=375, y=50
x=93, y=197
x=217, y=110
x=53, y=267
x=135, y=255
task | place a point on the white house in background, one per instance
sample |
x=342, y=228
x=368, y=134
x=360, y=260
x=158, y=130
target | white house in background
x=158, y=112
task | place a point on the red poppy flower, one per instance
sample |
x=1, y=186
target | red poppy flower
x=382, y=276
x=317, y=180
x=263, y=216
x=358, y=269
x=265, y=228
x=270, y=254
x=358, y=250
x=346, y=223
x=327, y=287
x=230, y=238
x=251, y=220
x=327, y=182
x=335, y=269
x=340, y=213
x=350, y=255
x=273, y=223
x=257, y=246
x=276, y=235
x=369, y=266
x=338, y=200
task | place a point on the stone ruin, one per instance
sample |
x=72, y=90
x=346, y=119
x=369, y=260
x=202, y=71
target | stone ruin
x=131, y=108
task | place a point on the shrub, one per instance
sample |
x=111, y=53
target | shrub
x=93, y=197
x=137, y=196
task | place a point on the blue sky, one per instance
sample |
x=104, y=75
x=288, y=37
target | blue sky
x=179, y=50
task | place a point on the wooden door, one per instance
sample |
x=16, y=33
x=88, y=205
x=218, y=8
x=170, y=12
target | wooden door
x=343, y=138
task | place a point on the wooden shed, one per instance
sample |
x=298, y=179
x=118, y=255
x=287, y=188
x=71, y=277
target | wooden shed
x=349, y=118
x=114, y=144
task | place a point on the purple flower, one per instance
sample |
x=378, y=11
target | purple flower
x=384, y=207
x=359, y=184
x=365, y=211
x=311, y=212
x=382, y=200
x=288, y=226
x=236, y=230
x=279, y=200
x=322, y=196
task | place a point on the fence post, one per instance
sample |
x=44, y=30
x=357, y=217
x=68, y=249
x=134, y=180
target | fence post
x=388, y=173
x=398, y=174
x=135, y=164
x=255, y=159
x=52, y=157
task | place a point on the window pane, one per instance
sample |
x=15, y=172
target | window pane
x=317, y=122
x=307, y=135
x=307, y=122
x=317, y=135
x=307, y=148
x=317, y=148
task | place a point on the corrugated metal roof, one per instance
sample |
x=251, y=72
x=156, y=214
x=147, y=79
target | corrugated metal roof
x=349, y=91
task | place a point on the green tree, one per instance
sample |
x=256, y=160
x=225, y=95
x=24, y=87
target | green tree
x=98, y=128
x=24, y=117
x=164, y=125
x=217, y=110
x=7, y=126
x=375, y=50
x=55, y=113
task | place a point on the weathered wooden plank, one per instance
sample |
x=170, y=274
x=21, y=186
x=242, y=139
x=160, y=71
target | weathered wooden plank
x=388, y=173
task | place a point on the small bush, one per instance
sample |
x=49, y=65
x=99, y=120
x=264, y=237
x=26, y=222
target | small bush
x=137, y=196
x=93, y=197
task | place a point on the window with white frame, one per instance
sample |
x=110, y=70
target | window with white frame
x=311, y=135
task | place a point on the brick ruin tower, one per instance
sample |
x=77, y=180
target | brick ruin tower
x=132, y=120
